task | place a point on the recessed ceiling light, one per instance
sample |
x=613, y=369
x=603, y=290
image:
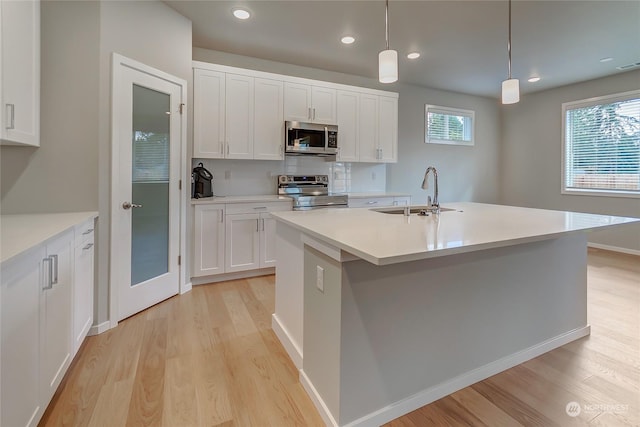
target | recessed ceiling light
x=413, y=55
x=607, y=59
x=241, y=13
x=347, y=40
x=533, y=79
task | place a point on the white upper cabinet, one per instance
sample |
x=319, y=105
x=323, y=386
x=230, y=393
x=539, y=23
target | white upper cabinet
x=239, y=117
x=347, y=109
x=240, y=114
x=388, y=129
x=307, y=103
x=20, y=73
x=208, y=114
x=268, y=125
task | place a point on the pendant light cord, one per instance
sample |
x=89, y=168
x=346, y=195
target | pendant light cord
x=386, y=23
x=509, y=44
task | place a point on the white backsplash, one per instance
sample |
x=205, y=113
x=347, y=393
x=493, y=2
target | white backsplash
x=254, y=177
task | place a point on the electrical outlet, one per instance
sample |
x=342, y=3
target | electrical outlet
x=227, y=174
x=320, y=278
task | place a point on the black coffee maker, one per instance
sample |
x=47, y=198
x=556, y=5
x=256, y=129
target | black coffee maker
x=201, y=182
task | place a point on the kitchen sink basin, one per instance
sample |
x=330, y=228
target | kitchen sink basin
x=412, y=210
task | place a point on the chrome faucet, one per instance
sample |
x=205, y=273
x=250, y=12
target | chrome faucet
x=432, y=206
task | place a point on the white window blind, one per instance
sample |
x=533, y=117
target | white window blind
x=602, y=145
x=150, y=157
x=448, y=125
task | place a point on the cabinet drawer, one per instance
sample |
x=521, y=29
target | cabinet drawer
x=371, y=202
x=241, y=208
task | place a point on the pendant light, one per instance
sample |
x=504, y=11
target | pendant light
x=510, y=87
x=387, y=59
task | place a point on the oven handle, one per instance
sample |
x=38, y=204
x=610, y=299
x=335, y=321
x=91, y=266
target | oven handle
x=326, y=138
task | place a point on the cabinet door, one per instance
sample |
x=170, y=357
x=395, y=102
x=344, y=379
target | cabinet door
x=55, y=315
x=368, y=129
x=242, y=242
x=388, y=129
x=239, y=117
x=267, y=240
x=268, y=128
x=19, y=357
x=209, y=240
x=347, y=111
x=20, y=63
x=297, y=102
x=83, y=284
x=208, y=114
x=323, y=105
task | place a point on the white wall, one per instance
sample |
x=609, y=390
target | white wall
x=532, y=153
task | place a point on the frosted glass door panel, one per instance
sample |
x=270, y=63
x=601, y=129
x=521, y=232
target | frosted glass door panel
x=150, y=184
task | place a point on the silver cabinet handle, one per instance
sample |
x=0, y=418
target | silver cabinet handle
x=257, y=226
x=55, y=269
x=11, y=116
x=222, y=147
x=372, y=202
x=49, y=284
x=314, y=114
x=87, y=247
x=260, y=207
x=89, y=231
x=309, y=114
x=262, y=220
x=127, y=205
x=221, y=216
x=227, y=148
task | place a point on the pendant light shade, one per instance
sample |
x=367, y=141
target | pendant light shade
x=510, y=91
x=388, y=66
x=387, y=59
x=510, y=87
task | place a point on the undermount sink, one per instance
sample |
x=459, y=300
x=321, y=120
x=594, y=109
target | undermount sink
x=420, y=210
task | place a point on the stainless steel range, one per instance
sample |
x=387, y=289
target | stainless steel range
x=310, y=192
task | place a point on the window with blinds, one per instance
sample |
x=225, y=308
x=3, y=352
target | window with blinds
x=150, y=157
x=448, y=125
x=602, y=146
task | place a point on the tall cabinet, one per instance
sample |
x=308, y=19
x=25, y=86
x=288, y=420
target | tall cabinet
x=20, y=72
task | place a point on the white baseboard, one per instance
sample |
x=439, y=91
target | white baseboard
x=317, y=400
x=185, y=288
x=99, y=328
x=418, y=400
x=614, y=248
x=232, y=276
x=294, y=352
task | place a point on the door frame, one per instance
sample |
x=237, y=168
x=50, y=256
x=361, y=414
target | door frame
x=118, y=64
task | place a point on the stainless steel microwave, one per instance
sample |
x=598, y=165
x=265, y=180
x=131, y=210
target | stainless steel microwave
x=311, y=138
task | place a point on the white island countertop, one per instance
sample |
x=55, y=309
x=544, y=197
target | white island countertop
x=19, y=233
x=393, y=238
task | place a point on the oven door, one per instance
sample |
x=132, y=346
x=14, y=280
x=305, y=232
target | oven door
x=311, y=138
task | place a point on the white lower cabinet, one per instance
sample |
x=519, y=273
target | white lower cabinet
x=20, y=357
x=39, y=296
x=234, y=237
x=208, y=253
x=83, y=283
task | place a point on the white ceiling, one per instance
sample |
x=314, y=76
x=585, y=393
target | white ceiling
x=463, y=43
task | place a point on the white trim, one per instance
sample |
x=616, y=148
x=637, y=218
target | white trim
x=614, y=249
x=204, y=280
x=294, y=352
x=185, y=288
x=100, y=328
x=424, y=397
x=117, y=63
x=288, y=79
x=317, y=400
x=596, y=192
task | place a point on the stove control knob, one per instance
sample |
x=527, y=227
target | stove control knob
x=283, y=179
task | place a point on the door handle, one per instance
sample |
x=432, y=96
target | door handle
x=127, y=205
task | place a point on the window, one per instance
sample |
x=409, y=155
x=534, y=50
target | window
x=448, y=125
x=602, y=146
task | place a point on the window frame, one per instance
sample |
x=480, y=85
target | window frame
x=606, y=99
x=453, y=112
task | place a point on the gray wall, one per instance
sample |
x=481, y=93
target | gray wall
x=61, y=175
x=532, y=155
x=466, y=173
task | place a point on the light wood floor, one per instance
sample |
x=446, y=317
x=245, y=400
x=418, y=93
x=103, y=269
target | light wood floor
x=210, y=358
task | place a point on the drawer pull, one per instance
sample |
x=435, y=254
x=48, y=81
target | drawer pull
x=260, y=207
x=372, y=202
x=49, y=284
x=55, y=269
x=88, y=246
x=89, y=231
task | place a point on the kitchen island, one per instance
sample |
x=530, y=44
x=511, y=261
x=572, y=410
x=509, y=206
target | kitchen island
x=384, y=313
